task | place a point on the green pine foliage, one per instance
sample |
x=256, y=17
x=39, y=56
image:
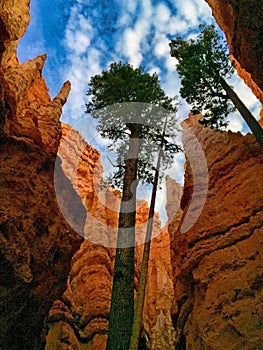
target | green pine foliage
x=201, y=63
x=123, y=97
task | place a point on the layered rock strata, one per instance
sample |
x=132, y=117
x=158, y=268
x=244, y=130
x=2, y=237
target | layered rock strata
x=217, y=255
x=36, y=242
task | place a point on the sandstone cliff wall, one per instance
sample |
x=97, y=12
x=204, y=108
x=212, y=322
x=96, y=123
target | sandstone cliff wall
x=218, y=261
x=36, y=242
x=217, y=264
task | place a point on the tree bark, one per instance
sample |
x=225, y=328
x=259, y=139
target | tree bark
x=138, y=315
x=245, y=113
x=122, y=300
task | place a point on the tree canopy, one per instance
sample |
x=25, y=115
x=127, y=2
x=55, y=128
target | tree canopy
x=123, y=98
x=201, y=63
x=204, y=64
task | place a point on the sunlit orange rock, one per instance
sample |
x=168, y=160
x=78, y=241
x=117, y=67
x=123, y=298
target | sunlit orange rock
x=36, y=242
x=217, y=261
x=30, y=114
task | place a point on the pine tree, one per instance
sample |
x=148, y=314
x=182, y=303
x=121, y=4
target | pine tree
x=203, y=64
x=130, y=107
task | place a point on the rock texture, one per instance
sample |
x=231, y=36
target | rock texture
x=216, y=296
x=29, y=113
x=242, y=23
x=36, y=242
x=217, y=262
x=79, y=320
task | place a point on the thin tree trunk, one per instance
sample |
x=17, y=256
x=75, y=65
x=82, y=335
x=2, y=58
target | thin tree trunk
x=252, y=123
x=122, y=299
x=138, y=315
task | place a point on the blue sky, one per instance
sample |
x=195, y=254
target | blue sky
x=81, y=38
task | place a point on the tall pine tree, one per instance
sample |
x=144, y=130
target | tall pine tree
x=130, y=107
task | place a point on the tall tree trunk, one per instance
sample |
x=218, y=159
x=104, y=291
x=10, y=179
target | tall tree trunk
x=138, y=315
x=122, y=299
x=252, y=123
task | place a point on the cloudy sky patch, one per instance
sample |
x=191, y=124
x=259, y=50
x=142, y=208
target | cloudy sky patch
x=81, y=38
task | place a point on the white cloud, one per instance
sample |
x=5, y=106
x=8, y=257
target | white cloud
x=131, y=47
x=134, y=37
x=161, y=48
x=203, y=10
x=131, y=43
x=177, y=26
x=124, y=19
x=147, y=9
x=188, y=10
x=236, y=123
x=79, y=71
x=194, y=11
x=170, y=63
x=77, y=41
x=93, y=58
x=162, y=51
x=85, y=24
x=131, y=6
x=83, y=61
x=171, y=83
x=153, y=70
x=162, y=13
x=78, y=33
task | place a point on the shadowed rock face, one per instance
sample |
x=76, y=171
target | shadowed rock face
x=79, y=319
x=242, y=24
x=36, y=242
x=217, y=263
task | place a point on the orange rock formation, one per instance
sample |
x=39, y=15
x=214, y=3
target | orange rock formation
x=216, y=297
x=217, y=262
x=36, y=242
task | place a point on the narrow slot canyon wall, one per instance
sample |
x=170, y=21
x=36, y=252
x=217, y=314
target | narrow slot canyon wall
x=36, y=242
x=218, y=264
x=218, y=261
x=204, y=293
